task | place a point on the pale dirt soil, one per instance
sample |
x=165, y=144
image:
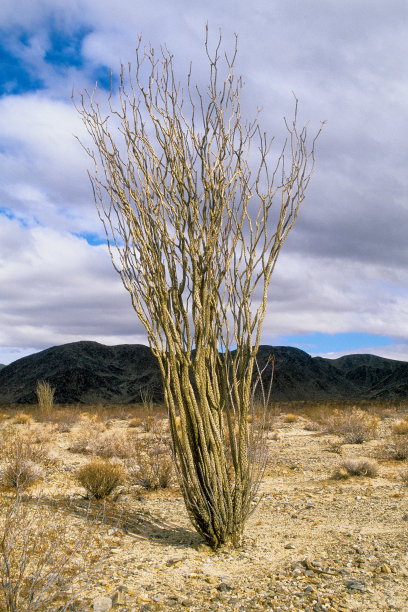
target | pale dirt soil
x=313, y=544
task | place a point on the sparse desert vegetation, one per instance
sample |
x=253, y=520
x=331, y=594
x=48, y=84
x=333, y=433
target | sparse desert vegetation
x=92, y=516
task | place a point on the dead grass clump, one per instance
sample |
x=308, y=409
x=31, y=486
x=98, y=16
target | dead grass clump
x=355, y=426
x=400, y=428
x=290, y=418
x=100, y=477
x=356, y=466
x=396, y=447
x=152, y=464
x=41, y=556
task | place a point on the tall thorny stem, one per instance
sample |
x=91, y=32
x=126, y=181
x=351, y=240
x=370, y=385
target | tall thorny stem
x=190, y=231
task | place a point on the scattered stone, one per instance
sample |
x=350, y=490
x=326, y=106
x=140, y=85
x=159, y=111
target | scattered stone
x=289, y=546
x=383, y=569
x=355, y=585
x=118, y=598
x=175, y=562
x=102, y=604
x=223, y=587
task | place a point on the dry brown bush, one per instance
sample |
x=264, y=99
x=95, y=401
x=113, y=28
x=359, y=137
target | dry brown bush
x=41, y=433
x=21, y=455
x=396, y=447
x=45, y=397
x=83, y=438
x=114, y=443
x=100, y=477
x=152, y=464
x=41, y=556
x=356, y=466
x=22, y=418
x=290, y=418
x=355, y=426
x=63, y=418
x=135, y=422
x=400, y=428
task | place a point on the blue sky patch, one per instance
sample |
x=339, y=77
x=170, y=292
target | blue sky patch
x=320, y=343
x=92, y=239
x=102, y=76
x=66, y=48
x=15, y=76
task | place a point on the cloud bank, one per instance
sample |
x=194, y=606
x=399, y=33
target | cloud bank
x=343, y=273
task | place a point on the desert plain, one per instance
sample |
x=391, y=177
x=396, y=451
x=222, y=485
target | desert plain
x=329, y=532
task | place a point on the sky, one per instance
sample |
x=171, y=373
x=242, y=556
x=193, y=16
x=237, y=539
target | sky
x=341, y=282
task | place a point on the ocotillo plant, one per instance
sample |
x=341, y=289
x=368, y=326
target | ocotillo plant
x=194, y=235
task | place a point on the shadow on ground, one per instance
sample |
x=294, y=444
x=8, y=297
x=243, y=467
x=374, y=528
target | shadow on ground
x=141, y=524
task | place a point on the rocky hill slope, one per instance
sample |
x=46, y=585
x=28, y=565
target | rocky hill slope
x=90, y=372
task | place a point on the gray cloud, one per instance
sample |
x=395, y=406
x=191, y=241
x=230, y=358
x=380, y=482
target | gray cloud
x=344, y=266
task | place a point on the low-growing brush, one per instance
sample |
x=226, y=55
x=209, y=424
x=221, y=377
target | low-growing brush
x=100, y=477
x=355, y=466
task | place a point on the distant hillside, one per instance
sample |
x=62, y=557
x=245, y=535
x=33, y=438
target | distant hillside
x=2, y=366
x=83, y=372
x=90, y=372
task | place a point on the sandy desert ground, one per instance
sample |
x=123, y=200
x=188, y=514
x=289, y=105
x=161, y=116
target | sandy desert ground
x=315, y=543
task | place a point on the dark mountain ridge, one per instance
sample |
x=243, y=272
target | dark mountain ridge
x=89, y=372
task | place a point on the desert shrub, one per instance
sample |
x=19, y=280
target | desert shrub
x=151, y=467
x=41, y=557
x=134, y=422
x=45, y=396
x=63, y=418
x=21, y=418
x=355, y=426
x=20, y=472
x=396, y=447
x=100, y=477
x=400, y=428
x=149, y=423
x=93, y=438
x=404, y=478
x=41, y=434
x=114, y=443
x=20, y=458
x=290, y=418
x=356, y=466
x=84, y=437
